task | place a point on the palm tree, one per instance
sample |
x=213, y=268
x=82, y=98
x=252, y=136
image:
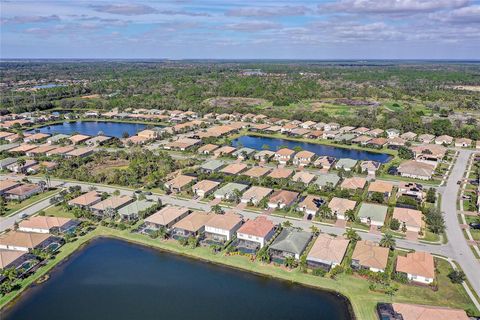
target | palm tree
x=388, y=241
x=217, y=209
x=287, y=224
x=314, y=229
x=350, y=215
x=352, y=235
x=263, y=255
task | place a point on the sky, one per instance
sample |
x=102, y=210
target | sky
x=232, y=29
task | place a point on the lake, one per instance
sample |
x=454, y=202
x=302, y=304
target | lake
x=257, y=143
x=113, y=279
x=92, y=128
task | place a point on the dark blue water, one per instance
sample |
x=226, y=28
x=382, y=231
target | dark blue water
x=321, y=150
x=92, y=128
x=112, y=279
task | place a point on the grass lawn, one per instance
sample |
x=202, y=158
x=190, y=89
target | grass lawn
x=58, y=211
x=356, y=289
x=430, y=236
x=13, y=206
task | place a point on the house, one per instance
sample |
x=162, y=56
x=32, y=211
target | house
x=223, y=227
x=23, y=191
x=418, y=266
x=382, y=187
x=86, y=200
x=25, y=241
x=463, y=143
x=45, y=224
x=244, y=153
x=281, y=173
x=234, y=168
x=131, y=211
x=149, y=134
x=445, y=140
x=264, y=155
x=60, y=151
x=362, y=140
x=40, y=150
x=182, y=144
x=11, y=259
x=372, y=214
x=4, y=134
x=392, y=133
x=255, y=234
x=192, y=225
x=344, y=137
x=43, y=166
x=346, y=129
x=227, y=192
x=284, y=155
x=308, y=124
x=80, y=152
x=8, y=146
x=255, y=194
x=204, y=188
x=303, y=158
x=179, y=183
x=310, y=205
x=411, y=218
x=256, y=172
x=409, y=136
x=303, y=177
x=36, y=137
x=340, y=206
x=79, y=138
x=22, y=149
x=328, y=180
x=111, y=205
x=377, y=142
x=331, y=126
x=330, y=135
x=299, y=132
x=345, y=164
x=282, y=199
x=166, y=217
x=354, y=183
x=290, y=243
x=396, y=143
x=222, y=151
x=360, y=130
x=5, y=163
x=324, y=162
x=411, y=189
x=327, y=252
x=22, y=168
x=135, y=140
x=375, y=133
x=212, y=166
x=368, y=255
x=370, y=167
x=405, y=311
x=429, y=153
x=6, y=185
x=426, y=138
x=207, y=149
x=97, y=141
x=416, y=169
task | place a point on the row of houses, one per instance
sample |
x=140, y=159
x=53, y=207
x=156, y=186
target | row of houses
x=33, y=150
x=14, y=190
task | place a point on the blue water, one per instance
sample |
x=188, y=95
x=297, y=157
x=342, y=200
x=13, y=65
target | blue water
x=92, y=128
x=112, y=279
x=48, y=86
x=321, y=150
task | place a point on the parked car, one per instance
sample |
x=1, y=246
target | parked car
x=475, y=225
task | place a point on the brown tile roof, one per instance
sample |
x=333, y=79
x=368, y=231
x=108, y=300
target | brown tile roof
x=9, y=256
x=283, y=197
x=180, y=181
x=304, y=154
x=411, y=217
x=285, y=152
x=44, y=222
x=417, y=263
x=329, y=248
x=256, y=193
x=234, y=168
x=259, y=227
x=42, y=149
x=417, y=168
x=224, y=150
x=112, y=202
x=23, y=239
x=85, y=199
x=79, y=152
x=166, y=215
x=341, y=205
x=353, y=183
x=309, y=203
x=226, y=221
x=37, y=136
x=23, y=189
x=380, y=186
x=61, y=150
x=370, y=255
x=281, y=173
x=205, y=185
x=8, y=184
x=419, y=312
x=257, y=172
x=194, y=221
x=79, y=138
x=303, y=176
x=208, y=148
x=23, y=148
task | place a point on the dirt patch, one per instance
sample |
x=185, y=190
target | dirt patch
x=230, y=102
x=467, y=88
x=107, y=165
x=92, y=96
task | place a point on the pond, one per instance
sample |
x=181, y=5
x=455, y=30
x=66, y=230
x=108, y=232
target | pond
x=92, y=128
x=257, y=143
x=113, y=279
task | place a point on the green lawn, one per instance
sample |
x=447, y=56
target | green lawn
x=58, y=211
x=353, y=287
x=13, y=206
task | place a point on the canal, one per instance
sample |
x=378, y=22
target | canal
x=258, y=143
x=113, y=279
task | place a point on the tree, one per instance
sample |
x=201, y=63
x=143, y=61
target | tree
x=431, y=197
x=388, y=241
x=125, y=135
x=350, y=215
x=217, y=209
x=287, y=224
x=192, y=242
x=404, y=227
x=314, y=229
x=435, y=220
x=405, y=153
x=263, y=255
x=325, y=212
x=377, y=197
x=394, y=224
x=3, y=206
x=352, y=235
x=116, y=192
x=457, y=276
x=290, y=262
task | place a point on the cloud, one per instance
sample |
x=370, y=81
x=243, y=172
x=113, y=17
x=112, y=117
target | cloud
x=31, y=19
x=125, y=9
x=268, y=12
x=253, y=26
x=469, y=14
x=393, y=6
x=183, y=13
